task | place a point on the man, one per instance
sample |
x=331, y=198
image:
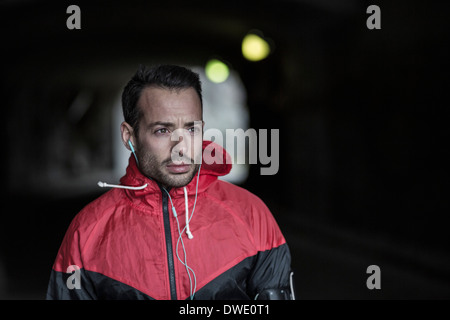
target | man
x=171, y=230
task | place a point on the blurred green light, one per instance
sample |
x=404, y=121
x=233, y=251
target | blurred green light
x=255, y=48
x=217, y=71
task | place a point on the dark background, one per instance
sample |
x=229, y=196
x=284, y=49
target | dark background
x=363, y=176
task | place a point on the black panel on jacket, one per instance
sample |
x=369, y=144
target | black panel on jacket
x=94, y=286
x=240, y=282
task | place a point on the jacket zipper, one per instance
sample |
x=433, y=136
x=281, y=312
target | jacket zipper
x=168, y=236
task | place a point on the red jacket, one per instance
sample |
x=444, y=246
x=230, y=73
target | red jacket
x=123, y=244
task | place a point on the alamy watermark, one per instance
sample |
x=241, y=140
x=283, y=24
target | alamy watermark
x=73, y=22
x=74, y=280
x=374, y=280
x=244, y=147
x=373, y=22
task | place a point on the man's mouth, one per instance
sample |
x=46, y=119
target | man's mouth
x=178, y=167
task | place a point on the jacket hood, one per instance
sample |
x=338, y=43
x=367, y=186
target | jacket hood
x=213, y=153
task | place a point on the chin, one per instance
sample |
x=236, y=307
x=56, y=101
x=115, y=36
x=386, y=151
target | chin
x=179, y=180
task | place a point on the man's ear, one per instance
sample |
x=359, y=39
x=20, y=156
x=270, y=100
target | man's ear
x=127, y=135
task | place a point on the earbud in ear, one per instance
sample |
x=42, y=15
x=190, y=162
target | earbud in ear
x=131, y=146
x=132, y=150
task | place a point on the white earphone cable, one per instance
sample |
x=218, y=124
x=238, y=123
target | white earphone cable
x=106, y=185
x=188, y=232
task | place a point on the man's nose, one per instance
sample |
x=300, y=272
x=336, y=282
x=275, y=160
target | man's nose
x=181, y=146
x=181, y=143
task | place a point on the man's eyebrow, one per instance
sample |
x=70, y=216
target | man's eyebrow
x=192, y=123
x=161, y=123
x=171, y=124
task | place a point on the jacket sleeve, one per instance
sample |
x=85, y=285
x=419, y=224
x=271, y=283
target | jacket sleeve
x=271, y=275
x=73, y=285
x=68, y=279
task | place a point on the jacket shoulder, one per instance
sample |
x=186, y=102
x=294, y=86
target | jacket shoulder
x=98, y=208
x=82, y=226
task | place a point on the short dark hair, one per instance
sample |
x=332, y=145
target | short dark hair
x=162, y=76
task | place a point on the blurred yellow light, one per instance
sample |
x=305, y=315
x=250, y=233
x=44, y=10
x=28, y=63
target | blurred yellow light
x=255, y=48
x=217, y=71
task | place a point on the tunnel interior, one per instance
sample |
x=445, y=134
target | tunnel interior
x=363, y=151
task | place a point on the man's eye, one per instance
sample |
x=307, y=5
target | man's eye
x=194, y=129
x=162, y=131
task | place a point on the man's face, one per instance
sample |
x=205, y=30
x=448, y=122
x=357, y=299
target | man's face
x=170, y=135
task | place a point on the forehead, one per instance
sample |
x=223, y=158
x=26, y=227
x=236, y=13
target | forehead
x=161, y=104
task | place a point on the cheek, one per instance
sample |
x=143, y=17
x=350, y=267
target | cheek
x=157, y=147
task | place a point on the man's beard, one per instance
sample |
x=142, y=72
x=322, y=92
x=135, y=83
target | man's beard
x=153, y=169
